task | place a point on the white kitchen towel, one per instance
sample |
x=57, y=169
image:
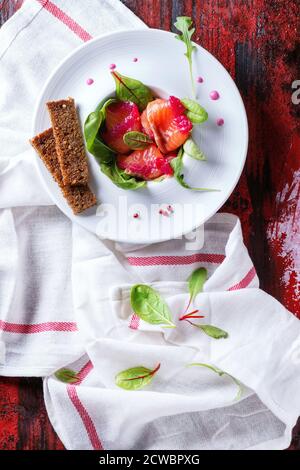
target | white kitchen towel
x=183, y=407
x=48, y=320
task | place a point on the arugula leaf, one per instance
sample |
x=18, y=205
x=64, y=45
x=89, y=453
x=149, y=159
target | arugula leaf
x=212, y=331
x=148, y=304
x=67, y=376
x=177, y=165
x=221, y=373
x=192, y=150
x=195, y=112
x=135, y=377
x=196, y=282
x=129, y=89
x=119, y=177
x=137, y=140
x=183, y=24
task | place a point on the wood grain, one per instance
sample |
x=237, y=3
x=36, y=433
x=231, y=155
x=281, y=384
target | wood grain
x=258, y=41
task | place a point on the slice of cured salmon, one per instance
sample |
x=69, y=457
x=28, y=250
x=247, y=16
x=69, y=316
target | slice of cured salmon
x=166, y=122
x=147, y=164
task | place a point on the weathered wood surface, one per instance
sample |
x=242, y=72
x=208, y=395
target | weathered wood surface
x=258, y=41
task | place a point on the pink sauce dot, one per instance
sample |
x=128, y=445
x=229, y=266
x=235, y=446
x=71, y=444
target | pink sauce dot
x=136, y=215
x=135, y=59
x=164, y=213
x=220, y=122
x=214, y=95
x=89, y=81
x=200, y=80
x=112, y=66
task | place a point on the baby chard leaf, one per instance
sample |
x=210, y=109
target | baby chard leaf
x=196, y=282
x=135, y=377
x=177, y=165
x=212, y=331
x=184, y=25
x=148, y=304
x=196, y=113
x=67, y=376
x=220, y=373
x=137, y=140
x=192, y=150
x=129, y=89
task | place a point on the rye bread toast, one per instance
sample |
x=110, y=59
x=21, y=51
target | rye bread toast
x=78, y=197
x=69, y=141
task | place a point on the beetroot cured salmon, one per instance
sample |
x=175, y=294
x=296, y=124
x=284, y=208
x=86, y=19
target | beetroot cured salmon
x=147, y=164
x=165, y=122
x=121, y=117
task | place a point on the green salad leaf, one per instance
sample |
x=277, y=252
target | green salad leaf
x=192, y=150
x=137, y=140
x=177, y=165
x=196, y=282
x=148, y=304
x=195, y=112
x=135, y=377
x=92, y=127
x=105, y=156
x=93, y=122
x=67, y=375
x=119, y=177
x=130, y=89
x=212, y=331
x=221, y=373
x=184, y=25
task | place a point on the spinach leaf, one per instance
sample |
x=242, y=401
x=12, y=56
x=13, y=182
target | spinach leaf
x=195, y=112
x=192, y=150
x=102, y=152
x=129, y=89
x=135, y=377
x=183, y=24
x=119, y=177
x=221, y=373
x=93, y=123
x=105, y=156
x=177, y=165
x=137, y=140
x=148, y=304
x=67, y=376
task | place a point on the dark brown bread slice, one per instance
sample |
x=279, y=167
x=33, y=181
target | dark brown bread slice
x=69, y=141
x=78, y=197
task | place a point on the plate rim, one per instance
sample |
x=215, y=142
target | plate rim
x=134, y=31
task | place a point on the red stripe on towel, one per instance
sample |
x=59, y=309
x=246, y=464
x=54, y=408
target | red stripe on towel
x=37, y=327
x=81, y=410
x=66, y=19
x=245, y=281
x=85, y=417
x=175, y=260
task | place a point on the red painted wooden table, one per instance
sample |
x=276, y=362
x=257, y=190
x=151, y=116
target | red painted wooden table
x=258, y=41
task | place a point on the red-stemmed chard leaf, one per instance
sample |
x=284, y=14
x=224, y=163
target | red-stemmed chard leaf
x=135, y=377
x=67, y=375
x=130, y=89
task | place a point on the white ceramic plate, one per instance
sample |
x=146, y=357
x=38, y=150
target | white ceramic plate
x=162, y=66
